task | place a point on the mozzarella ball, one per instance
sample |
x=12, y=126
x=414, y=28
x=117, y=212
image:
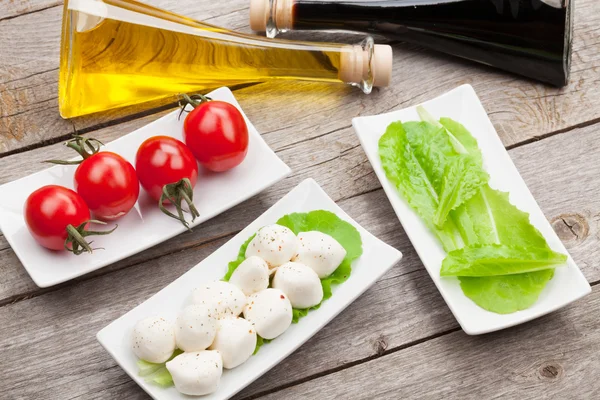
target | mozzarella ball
x=235, y=340
x=196, y=373
x=222, y=298
x=320, y=252
x=153, y=339
x=196, y=328
x=251, y=276
x=275, y=244
x=299, y=283
x=270, y=312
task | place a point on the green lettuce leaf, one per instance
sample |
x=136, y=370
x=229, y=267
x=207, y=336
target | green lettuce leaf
x=240, y=259
x=323, y=221
x=498, y=259
x=409, y=174
x=462, y=169
x=437, y=168
x=462, y=180
x=506, y=294
x=157, y=374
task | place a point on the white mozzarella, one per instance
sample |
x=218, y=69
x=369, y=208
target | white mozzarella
x=153, y=339
x=196, y=373
x=275, y=244
x=320, y=252
x=196, y=328
x=300, y=283
x=235, y=340
x=270, y=312
x=222, y=298
x=251, y=276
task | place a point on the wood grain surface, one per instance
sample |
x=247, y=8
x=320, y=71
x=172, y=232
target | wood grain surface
x=398, y=340
x=402, y=308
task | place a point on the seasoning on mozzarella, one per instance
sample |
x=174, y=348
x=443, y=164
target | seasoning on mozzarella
x=300, y=283
x=196, y=373
x=153, y=339
x=196, y=328
x=222, y=298
x=320, y=252
x=235, y=340
x=270, y=312
x=275, y=244
x=251, y=276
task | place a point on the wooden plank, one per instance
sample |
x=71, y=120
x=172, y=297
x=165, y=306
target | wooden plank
x=555, y=357
x=520, y=109
x=12, y=8
x=404, y=305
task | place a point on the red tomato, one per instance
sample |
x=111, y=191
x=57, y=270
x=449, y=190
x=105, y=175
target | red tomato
x=163, y=160
x=217, y=134
x=108, y=184
x=48, y=212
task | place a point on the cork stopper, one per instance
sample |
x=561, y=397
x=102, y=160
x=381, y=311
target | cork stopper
x=276, y=12
x=354, y=65
x=259, y=14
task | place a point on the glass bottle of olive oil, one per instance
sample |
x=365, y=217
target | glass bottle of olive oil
x=120, y=52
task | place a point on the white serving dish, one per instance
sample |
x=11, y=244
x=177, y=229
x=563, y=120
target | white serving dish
x=463, y=105
x=376, y=259
x=145, y=225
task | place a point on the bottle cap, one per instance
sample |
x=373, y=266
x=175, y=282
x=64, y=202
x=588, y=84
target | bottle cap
x=279, y=10
x=259, y=13
x=354, y=65
x=381, y=65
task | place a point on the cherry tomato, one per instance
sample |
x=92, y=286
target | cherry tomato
x=108, y=184
x=48, y=212
x=163, y=160
x=168, y=172
x=217, y=134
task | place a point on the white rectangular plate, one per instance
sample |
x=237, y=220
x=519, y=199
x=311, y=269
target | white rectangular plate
x=376, y=259
x=463, y=105
x=145, y=225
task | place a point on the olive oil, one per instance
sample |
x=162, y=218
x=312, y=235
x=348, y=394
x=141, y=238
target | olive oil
x=120, y=52
x=527, y=37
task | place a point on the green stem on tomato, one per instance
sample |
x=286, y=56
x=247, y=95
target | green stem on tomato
x=194, y=100
x=85, y=147
x=175, y=193
x=75, y=241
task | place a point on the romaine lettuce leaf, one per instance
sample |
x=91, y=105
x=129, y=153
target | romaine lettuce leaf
x=437, y=167
x=462, y=179
x=498, y=259
x=506, y=294
x=408, y=171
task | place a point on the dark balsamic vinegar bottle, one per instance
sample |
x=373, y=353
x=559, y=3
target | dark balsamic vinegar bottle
x=526, y=37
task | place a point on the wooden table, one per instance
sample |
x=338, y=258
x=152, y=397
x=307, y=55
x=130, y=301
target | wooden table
x=398, y=340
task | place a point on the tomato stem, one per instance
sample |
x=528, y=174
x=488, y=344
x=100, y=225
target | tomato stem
x=194, y=100
x=85, y=147
x=175, y=193
x=75, y=241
